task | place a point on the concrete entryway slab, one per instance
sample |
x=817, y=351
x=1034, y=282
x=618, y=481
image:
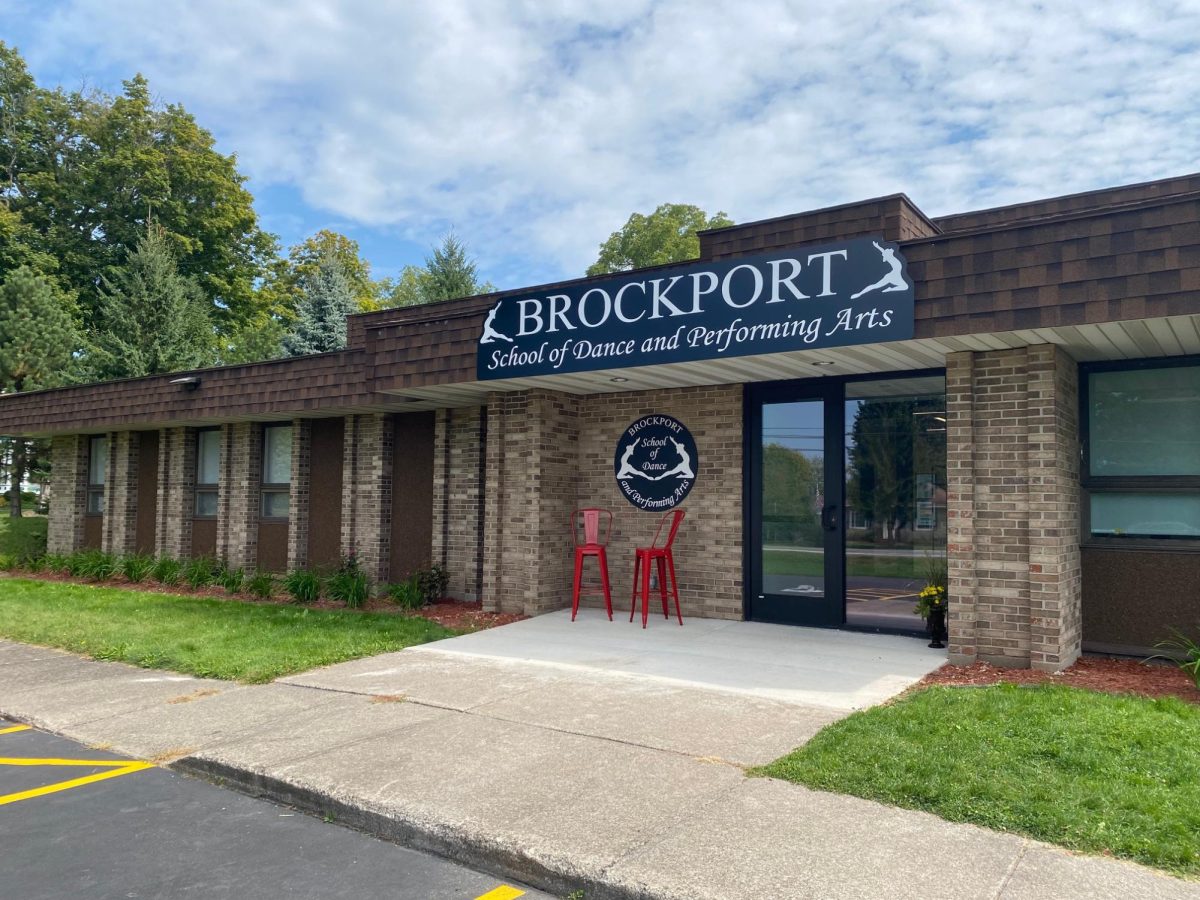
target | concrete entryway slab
x=808, y=666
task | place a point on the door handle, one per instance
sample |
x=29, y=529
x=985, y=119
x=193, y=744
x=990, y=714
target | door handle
x=829, y=517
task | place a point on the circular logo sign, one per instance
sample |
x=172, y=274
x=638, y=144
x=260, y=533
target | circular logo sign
x=656, y=462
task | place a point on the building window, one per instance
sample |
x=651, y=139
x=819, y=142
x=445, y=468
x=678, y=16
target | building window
x=208, y=472
x=1142, y=451
x=97, y=469
x=277, y=471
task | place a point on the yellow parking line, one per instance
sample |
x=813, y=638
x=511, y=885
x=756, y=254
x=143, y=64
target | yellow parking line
x=26, y=761
x=13, y=728
x=124, y=769
x=504, y=892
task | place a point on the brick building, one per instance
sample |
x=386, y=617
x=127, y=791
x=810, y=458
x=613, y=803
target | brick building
x=1034, y=422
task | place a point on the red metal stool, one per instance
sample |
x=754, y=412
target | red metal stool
x=593, y=545
x=665, y=562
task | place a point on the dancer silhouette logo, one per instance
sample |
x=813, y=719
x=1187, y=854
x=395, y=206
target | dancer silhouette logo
x=656, y=462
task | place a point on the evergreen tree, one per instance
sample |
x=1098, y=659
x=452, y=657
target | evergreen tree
x=150, y=318
x=38, y=340
x=448, y=273
x=327, y=298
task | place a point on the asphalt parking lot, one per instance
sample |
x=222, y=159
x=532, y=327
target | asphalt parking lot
x=79, y=822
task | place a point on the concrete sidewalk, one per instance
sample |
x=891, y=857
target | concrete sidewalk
x=565, y=777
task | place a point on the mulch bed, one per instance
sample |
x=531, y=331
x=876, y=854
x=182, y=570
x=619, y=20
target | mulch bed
x=1158, y=678
x=461, y=615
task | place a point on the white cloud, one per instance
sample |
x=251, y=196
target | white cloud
x=536, y=128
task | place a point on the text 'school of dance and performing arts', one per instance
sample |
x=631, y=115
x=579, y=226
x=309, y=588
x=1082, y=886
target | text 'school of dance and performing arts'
x=839, y=399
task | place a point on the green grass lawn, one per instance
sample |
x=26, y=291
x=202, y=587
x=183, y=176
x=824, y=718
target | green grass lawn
x=22, y=538
x=201, y=636
x=1090, y=771
x=786, y=562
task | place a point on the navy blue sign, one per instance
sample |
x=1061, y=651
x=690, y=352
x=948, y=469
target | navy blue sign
x=830, y=295
x=656, y=462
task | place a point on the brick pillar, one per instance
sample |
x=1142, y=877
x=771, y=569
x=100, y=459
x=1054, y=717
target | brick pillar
x=532, y=463
x=1013, y=478
x=1055, y=605
x=237, y=494
x=459, y=438
x=68, y=498
x=176, y=491
x=298, y=509
x=960, y=506
x=121, y=488
x=367, y=493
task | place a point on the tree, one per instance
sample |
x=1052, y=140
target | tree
x=254, y=342
x=305, y=258
x=667, y=235
x=38, y=340
x=87, y=173
x=151, y=318
x=321, y=315
x=792, y=484
x=448, y=273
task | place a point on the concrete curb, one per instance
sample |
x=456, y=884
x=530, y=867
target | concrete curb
x=449, y=842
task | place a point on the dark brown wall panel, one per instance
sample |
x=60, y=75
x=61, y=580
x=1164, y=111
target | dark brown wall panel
x=272, y=546
x=412, y=493
x=1133, y=598
x=147, y=491
x=325, y=493
x=93, y=528
x=204, y=537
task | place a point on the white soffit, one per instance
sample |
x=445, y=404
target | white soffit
x=1133, y=339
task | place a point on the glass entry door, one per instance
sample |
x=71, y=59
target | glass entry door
x=846, y=500
x=795, y=510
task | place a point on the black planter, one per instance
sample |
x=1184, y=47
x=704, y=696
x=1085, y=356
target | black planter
x=937, y=626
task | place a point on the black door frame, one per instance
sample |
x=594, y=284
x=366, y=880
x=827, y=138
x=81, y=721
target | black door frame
x=832, y=391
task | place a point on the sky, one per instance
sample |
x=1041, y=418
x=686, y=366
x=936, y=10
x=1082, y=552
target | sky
x=534, y=129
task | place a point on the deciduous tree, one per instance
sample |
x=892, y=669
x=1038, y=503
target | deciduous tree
x=667, y=235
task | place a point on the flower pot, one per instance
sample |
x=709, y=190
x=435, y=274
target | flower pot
x=936, y=624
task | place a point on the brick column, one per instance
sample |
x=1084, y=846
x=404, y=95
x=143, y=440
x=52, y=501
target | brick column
x=176, y=491
x=298, y=508
x=68, y=499
x=459, y=438
x=1055, y=604
x=532, y=469
x=367, y=493
x=237, y=495
x=121, y=488
x=1013, y=478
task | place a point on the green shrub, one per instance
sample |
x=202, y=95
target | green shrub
x=349, y=584
x=407, y=593
x=303, y=586
x=261, y=585
x=1184, y=651
x=231, y=580
x=200, y=572
x=37, y=564
x=433, y=582
x=136, y=567
x=167, y=571
x=94, y=565
x=55, y=562
x=8, y=562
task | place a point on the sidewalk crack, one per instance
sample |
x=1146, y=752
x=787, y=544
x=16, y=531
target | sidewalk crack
x=1012, y=869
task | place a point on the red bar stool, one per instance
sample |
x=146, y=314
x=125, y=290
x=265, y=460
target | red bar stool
x=593, y=545
x=665, y=562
